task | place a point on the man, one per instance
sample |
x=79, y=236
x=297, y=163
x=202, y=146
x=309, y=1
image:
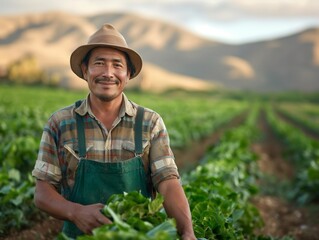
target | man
x=105, y=144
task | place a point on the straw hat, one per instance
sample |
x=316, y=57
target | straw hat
x=106, y=36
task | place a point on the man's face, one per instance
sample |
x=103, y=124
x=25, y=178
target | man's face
x=107, y=73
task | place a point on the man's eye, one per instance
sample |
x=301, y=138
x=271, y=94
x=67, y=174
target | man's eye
x=118, y=65
x=98, y=63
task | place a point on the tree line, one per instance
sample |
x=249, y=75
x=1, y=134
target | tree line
x=27, y=70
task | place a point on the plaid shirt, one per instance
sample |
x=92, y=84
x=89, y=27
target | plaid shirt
x=59, y=143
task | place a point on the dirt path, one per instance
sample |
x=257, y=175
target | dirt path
x=186, y=159
x=281, y=217
x=306, y=130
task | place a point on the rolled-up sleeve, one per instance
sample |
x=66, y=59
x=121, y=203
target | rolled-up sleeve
x=162, y=159
x=47, y=164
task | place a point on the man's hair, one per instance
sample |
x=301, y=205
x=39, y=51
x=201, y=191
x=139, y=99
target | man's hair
x=129, y=63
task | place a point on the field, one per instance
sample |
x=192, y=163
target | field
x=249, y=162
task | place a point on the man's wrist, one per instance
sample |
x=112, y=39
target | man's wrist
x=188, y=236
x=72, y=209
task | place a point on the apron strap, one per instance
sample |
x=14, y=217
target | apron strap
x=81, y=132
x=138, y=130
x=138, y=139
x=66, y=191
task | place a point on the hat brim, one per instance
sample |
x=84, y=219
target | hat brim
x=78, y=55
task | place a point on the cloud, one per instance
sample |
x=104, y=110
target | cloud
x=306, y=8
x=230, y=20
x=214, y=9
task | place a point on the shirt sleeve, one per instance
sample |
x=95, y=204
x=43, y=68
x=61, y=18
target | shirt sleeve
x=162, y=160
x=47, y=166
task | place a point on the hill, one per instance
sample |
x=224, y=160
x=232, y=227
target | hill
x=289, y=63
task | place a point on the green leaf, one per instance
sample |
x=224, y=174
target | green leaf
x=122, y=225
x=237, y=214
x=156, y=205
x=168, y=227
x=14, y=174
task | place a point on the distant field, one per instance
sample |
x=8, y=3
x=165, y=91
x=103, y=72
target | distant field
x=221, y=184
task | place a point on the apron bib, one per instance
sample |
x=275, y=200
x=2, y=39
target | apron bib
x=96, y=181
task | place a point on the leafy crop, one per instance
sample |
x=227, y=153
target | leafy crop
x=23, y=117
x=218, y=190
x=304, y=153
x=16, y=200
x=134, y=217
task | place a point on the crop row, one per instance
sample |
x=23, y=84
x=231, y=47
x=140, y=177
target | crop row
x=220, y=188
x=304, y=154
x=219, y=192
x=23, y=121
x=306, y=115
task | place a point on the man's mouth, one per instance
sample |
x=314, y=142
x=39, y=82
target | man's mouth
x=107, y=81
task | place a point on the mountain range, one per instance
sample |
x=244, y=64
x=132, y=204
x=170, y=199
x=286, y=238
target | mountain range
x=173, y=57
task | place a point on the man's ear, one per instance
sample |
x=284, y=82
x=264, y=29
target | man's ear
x=128, y=75
x=84, y=70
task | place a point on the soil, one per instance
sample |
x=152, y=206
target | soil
x=280, y=217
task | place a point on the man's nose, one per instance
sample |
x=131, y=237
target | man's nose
x=107, y=71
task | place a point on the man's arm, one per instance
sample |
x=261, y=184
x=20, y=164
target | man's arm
x=177, y=207
x=86, y=218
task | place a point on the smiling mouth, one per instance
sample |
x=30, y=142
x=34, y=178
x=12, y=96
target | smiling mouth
x=107, y=82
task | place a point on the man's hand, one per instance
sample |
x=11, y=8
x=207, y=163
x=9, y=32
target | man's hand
x=88, y=217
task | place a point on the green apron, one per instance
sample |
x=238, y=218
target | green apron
x=96, y=181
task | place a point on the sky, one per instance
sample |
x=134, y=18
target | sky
x=228, y=21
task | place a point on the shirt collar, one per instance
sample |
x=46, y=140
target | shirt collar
x=126, y=108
